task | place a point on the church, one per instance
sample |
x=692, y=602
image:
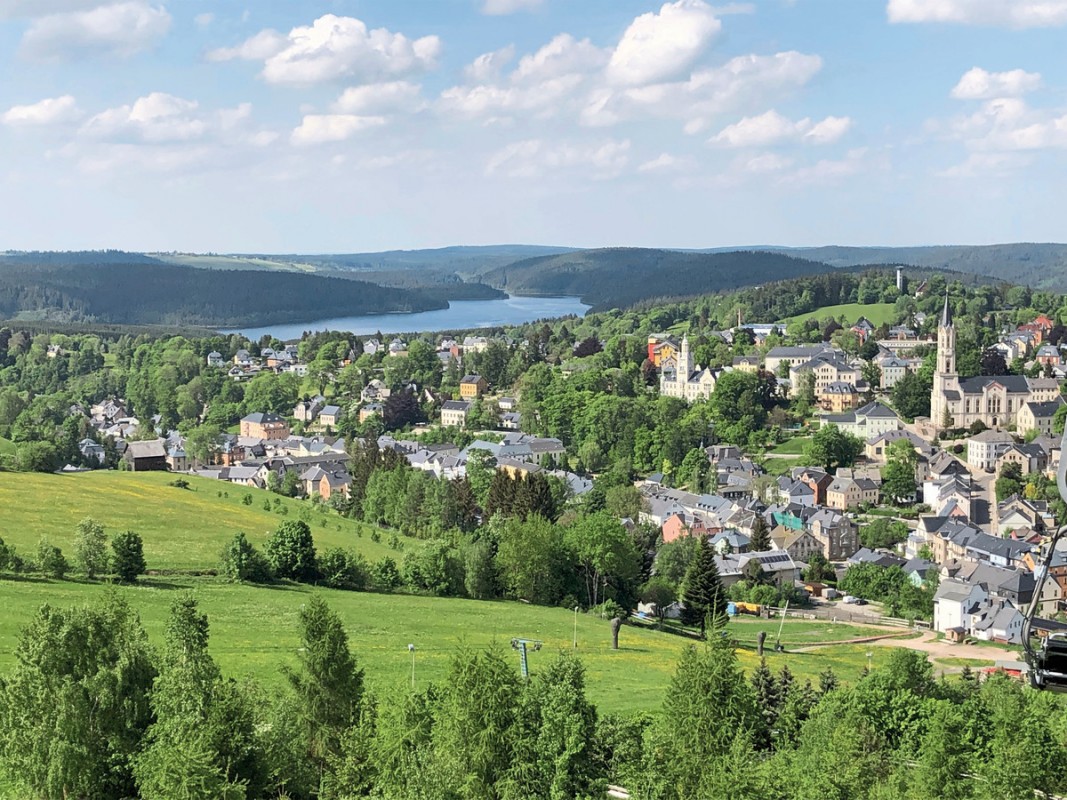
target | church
x=682, y=379
x=994, y=400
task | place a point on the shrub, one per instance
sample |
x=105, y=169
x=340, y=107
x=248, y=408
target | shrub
x=385, y=575
x=51, y=561
x=240, y=561
x=343, y=569
x=291, y=552
x=128, y=558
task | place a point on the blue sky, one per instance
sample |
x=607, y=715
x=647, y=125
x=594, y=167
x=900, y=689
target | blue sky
x=353, y=125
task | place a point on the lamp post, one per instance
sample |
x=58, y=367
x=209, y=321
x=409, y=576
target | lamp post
x=411, y=649
x=576, y=627
x=869, y=655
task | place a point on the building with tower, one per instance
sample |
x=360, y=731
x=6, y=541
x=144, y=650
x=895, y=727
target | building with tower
x=994, y=400
x=680, y=378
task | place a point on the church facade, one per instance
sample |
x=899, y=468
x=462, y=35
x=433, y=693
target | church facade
x=682, y=379
x=994, y=400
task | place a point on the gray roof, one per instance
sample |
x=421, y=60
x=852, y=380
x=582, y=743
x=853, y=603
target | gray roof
x=1015, y=384
x=1045, y=409
x=262, y=418
x=946, y=313
x=151, y=449
x=456, y=405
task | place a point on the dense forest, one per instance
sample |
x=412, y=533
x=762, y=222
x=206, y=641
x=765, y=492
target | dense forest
x=620, y=277
x=160, y=294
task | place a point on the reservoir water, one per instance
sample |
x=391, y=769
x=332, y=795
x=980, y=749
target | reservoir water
x=459, y=315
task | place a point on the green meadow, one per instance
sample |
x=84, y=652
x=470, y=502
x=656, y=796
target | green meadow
x=877, y=313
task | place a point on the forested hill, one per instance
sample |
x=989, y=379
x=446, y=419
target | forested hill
x=1040, y=266
x=161, y=294
x=620, y=277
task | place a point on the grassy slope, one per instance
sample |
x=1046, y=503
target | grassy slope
x=877, y=313
x=182, y=529
x=254, y=631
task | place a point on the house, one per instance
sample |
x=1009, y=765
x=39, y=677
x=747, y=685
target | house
x=998, y=622
x=1015, y=513
x=324, y=483
x=893, y=369
x=146, y=456
x=370, y=410
x=1035, y=416
x=873, y=419
x=511, y=420
x=329, y=416
x=789, y=356
x=306, y=410
x=177, y=459
x=215, y=359
x=374, y=392
x=729, y=541
x=472, y=386
x=845, y=493
x=661, y=348
x=91, y=451
x=454, y=413
x=507, y=403
x=1029, y=457
x=800, y=545
x=1048, y=355
x=827, y=368
x=795, y=491
x=878, y=446
x=746, y=363
x=985, y=448
x=264, y=426
x=954, y=603
x=242, y=358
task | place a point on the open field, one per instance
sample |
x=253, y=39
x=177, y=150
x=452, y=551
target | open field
x=877, y=313
x=254, y=631
x=779, y=466
x=183, y=529
x=794, y=447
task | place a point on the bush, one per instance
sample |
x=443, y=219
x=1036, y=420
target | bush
x=181, y=483
x=240, y=561
x=291, y=552
x=128, y=560
x=385, y=575
x=51, y=561
x=609, y=609
x=343, y=569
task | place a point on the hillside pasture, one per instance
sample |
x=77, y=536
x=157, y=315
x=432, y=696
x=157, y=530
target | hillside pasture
x=877, y=313
x=183, y=530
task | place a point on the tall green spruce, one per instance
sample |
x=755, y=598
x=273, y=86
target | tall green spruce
x=202, y=744
x=761, y=536
x=702, y=590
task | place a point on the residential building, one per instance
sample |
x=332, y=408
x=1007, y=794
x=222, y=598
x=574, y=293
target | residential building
x=954, y=603
x=983, y=449
x=146, y=456
x=472, y=386
x=1030, y=458
x=264, y=426
x=1038, y=416
x=789, y=356
x=454, y=413
x=845, y=493
x=873, y=419
x=828, y=368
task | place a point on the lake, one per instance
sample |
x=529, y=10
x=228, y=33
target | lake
x=460, y=315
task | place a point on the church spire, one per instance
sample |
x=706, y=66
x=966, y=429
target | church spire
x=946, y=313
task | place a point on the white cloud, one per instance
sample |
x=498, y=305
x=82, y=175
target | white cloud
x=334, y=48
x=50, y=111
x=204, y=20
x=977, y=84
x=987, y=165
x=771, y=128
x=163, y=118
x=1007, y=125
x=993, y=13
x=828, y=130
x=380, y=97
x=323, y=128
x=540, y=83
x=659, y=47
x=533, y=158
x=664, y=162
x=118, y=29
x=21, y=9
x=501, y=7
x=737, y=85
x=764, y=163
x=488, y=66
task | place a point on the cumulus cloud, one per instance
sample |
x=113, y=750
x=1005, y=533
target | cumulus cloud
x=539, y=83
x=117, y=29
x=977, y=84
x=737, y=85
x=501, y=7
x=533, y=158
x=160, y=117
x=50, y=111
x=993, y=13
x=21, y=9
x=771, y=128
x=489, y=66
x=662, y=46
x=393, y=96
x=334, y=48
x=324, y=128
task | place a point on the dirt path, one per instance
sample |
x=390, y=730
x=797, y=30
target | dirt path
x=929, y=643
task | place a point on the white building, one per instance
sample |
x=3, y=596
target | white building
x=983, y=449
x=686, y=381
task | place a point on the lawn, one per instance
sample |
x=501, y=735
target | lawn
x=183, y=529
x=798, y=633
x=254, y=631
x=780, y=466
x=955, y=661
x=791, y=447
x=877, y=313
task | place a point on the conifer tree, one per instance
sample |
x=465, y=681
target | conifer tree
x=761, y=536
x=702, y=591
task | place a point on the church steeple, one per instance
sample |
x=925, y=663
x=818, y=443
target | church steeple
x=946, y=342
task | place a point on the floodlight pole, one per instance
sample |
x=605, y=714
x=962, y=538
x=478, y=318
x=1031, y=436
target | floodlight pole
x=522, y=645
x=411, y=649
x=576, y=627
